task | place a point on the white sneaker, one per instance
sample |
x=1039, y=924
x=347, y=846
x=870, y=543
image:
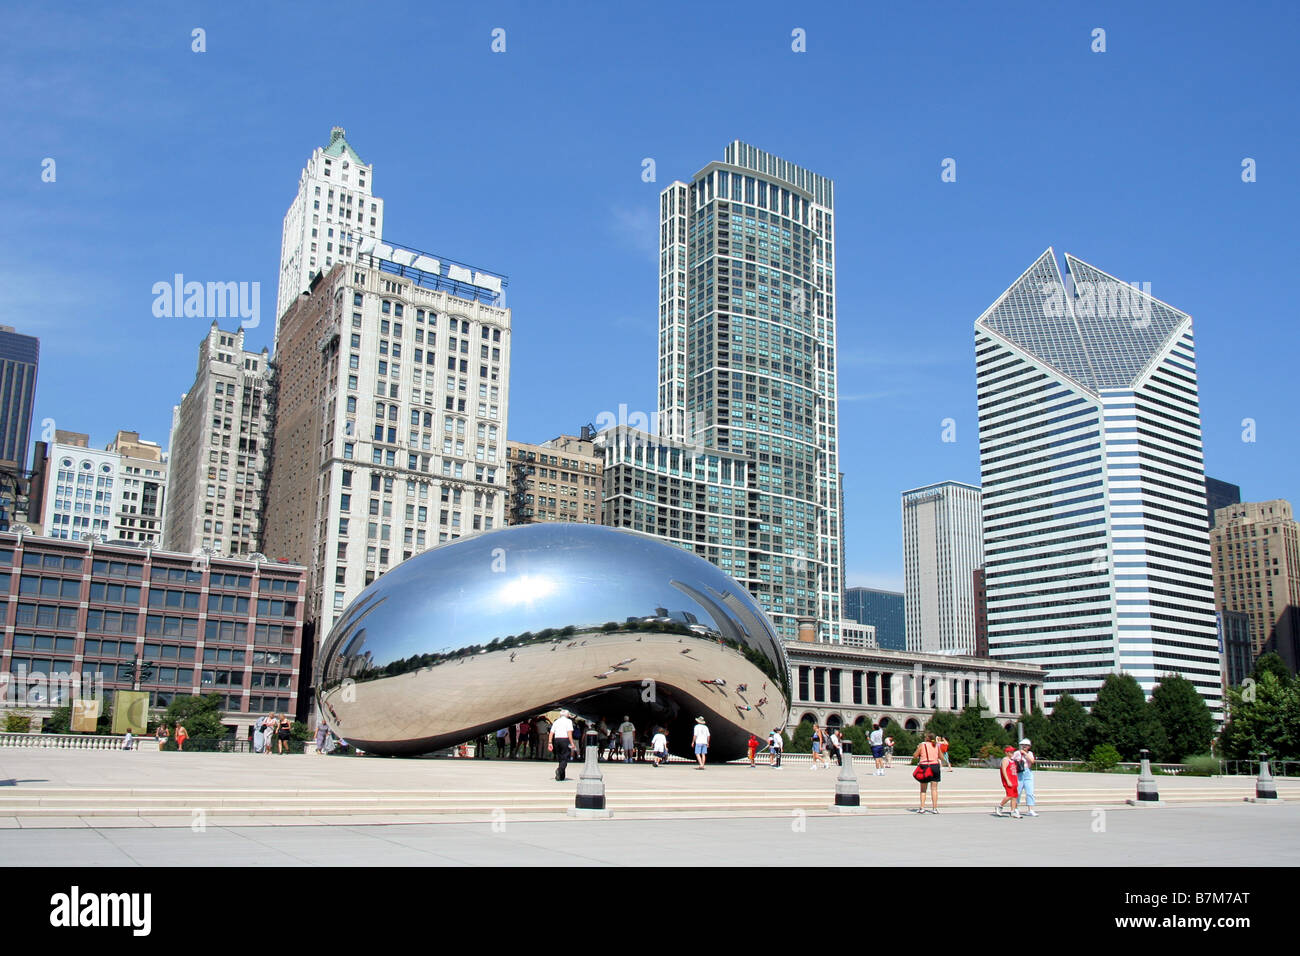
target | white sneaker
x=1032, y=813
x=1016, y=814
x=997, y=811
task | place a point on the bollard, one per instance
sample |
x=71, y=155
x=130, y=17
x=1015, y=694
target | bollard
x=1265, y=788
x=589, y=804
x=1146, y=789
x=848, y=797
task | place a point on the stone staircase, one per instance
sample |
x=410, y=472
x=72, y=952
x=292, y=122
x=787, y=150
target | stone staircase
x=27, y=805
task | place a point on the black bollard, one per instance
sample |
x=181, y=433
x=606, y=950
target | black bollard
x=1265, y=788
x=590, y=800
x=848, y=798
x=1147, y=795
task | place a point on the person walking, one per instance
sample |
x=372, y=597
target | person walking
x=818, y=745
x=503, y=735
x=1010, y=784
x=128, y=740
x=521, y=740
x=928, y=770
x=753, y=750
x=322, y=734
x=627, y=730
x=877, y=740
x=659, y=747
x=560, y=740
x=701, y=738
x=182, y=735
x=837, y=747
x=775, y=742
x=943, y=752
x=1025, y=775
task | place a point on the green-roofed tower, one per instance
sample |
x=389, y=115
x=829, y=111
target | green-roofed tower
x=334, y=210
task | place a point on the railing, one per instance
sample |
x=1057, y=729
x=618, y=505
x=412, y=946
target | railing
x=75, y=741
x=1250, y=768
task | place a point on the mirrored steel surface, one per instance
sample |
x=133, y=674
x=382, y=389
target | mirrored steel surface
x=485, y=631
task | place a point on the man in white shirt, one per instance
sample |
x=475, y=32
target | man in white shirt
x=627, y=730
x=701, y=738
x=878, y=749
x=659, y=747
x=560, y=741
x=775, y=743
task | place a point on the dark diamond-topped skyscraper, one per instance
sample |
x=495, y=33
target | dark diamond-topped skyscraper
x=1095, y=533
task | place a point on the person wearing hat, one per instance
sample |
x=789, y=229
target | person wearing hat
x=1025, y=761
x=701, y=738
x=560, y=741
x=1009, y=784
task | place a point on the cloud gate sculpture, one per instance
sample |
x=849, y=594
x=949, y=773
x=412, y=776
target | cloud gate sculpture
x=484, y=631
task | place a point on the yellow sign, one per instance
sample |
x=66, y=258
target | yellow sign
x=130, y=711
x=85, y=716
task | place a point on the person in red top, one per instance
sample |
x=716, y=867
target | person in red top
x=928, y=770
x=1010, y=784
x=753, y=748
x=182, y=735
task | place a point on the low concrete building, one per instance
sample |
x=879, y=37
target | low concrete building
x=838, y=685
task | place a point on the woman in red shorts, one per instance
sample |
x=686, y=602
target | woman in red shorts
x=1010, y=783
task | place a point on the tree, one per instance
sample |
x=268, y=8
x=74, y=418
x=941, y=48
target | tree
x=1269, y=722
x=1271, y=663
x=1182, y=713
x=857, y=736
x=801, y=741
x=973, y=730
x=1036, y=729
x=1122, y=718
x=200, y=715
x=905, y=742
x=1067, y=730
x=943, y=724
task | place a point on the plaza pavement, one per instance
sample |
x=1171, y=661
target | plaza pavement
x=1238, y=835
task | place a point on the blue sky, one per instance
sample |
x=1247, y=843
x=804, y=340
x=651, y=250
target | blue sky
x=529, y=162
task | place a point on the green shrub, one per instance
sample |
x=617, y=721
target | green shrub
x=1202, y=765
x=1104, y=758
x=18, y=723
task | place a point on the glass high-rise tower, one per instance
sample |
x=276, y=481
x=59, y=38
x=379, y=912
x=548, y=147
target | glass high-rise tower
x=1096, y=542
x=747, y=363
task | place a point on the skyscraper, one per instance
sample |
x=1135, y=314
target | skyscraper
x=1096, y=539
x=218, y=450
x=883, y=610
x=19, y=357
x=942, y=547
x=1219, y=494
x=390, y=418
x=747, y=364
x=335, y=207
x=1256, y=548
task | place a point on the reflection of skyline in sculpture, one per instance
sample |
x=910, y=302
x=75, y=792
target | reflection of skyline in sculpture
x=587, y=616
